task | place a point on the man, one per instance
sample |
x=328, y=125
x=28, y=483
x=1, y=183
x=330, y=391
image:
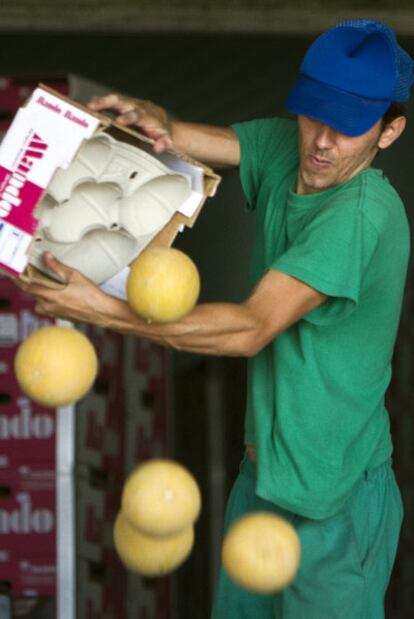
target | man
x=329, y=266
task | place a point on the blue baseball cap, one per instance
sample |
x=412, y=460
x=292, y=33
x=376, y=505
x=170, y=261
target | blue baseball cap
x=350, y=75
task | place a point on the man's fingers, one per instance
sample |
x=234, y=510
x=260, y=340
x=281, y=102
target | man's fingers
x=104, y=102
x=120, y=104
x=129, y=118
x=63, y=271
x=38, y=308
x=151, y=119
x=156, y=132
x=162, y=144
x=20, y=283
x=47, y=309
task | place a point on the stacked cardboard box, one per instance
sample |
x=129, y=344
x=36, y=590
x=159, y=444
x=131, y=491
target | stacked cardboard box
x=27, y=463
x=28, y=509
x=125, y=419
x=122, y=422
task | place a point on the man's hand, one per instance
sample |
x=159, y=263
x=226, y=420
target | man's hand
x=151, y=119
x=215, y=146
x=79, y=300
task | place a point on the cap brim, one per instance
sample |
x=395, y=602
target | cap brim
x=344, y=112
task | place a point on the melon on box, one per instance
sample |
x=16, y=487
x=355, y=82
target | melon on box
x=90, y=191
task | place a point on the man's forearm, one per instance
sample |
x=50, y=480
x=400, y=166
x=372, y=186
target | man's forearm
x=228, y=329
x=215, y=146
x=223, y=329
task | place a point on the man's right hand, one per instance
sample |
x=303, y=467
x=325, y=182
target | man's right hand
x=151, y=119
x=216, y=146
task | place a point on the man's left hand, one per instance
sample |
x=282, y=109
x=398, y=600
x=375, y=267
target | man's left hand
x=79, y=300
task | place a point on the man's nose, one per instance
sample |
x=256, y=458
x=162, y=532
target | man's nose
x=324, y=137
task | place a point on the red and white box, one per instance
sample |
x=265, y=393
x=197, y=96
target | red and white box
x=28, y=512
x=15, y=91
x=28, y=531
x=17, y=321
x=27, y=432
x=46, y=135
x=13, y=299
x=29, y=573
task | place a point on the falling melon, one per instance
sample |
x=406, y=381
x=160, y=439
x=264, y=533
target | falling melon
x=161, y=497
x=261, y=552
x=55, y=366
x=163, y=284
x=151, y=556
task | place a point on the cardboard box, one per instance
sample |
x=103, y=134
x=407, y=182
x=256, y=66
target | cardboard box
x=107, y=591
x=100, y=415
x=127, y=416
x=98, y=499
x=152, y=598
x=17, y=316
x=92, y=427
x=101, y=588
x=27, y=430
x=14, y=91
x=29, y=573
x=147, y=377
x=46, y=135
x=28, y=515
x=28, y=519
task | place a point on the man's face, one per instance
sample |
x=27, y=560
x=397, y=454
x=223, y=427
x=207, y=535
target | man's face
x=328, y=157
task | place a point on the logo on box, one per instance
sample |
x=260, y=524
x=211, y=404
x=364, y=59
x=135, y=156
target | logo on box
x=24, y=519
x=25, y=425
x=15, y=182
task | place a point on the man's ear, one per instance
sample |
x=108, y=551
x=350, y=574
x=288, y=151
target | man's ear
x=392, y=132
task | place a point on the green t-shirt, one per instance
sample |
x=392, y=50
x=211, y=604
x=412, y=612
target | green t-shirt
x=315, y=407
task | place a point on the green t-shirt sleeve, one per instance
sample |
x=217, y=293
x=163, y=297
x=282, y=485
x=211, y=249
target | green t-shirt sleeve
x=332, y=254
x=261, y=143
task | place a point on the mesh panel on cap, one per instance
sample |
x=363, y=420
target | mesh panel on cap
x=405, y=65
x=405, y=76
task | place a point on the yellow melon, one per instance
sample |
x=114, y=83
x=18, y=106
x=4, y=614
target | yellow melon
x=151, y=556
x=163, y=284
x=55, y=366
x=261, y=552
x=161, y=497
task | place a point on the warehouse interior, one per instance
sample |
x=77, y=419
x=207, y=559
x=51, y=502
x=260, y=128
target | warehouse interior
x=218, y=63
